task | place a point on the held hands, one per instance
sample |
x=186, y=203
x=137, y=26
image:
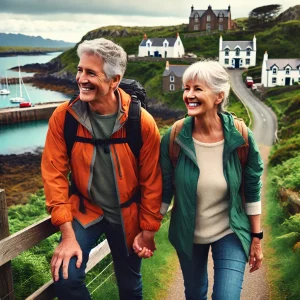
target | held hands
x=256, y=255
x=67, y=248
x=144, y=244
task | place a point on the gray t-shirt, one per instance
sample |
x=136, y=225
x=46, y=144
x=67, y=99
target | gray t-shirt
x=103, y=188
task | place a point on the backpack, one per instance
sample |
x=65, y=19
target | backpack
x=133, y=134
x=133, y=124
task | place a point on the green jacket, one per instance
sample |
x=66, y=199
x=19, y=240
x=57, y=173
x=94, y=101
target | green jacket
x=183, y=218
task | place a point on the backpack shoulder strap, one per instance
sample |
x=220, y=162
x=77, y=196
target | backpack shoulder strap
x=174, y=148
x=133, y=126
x=244, y=149
x=70, y=129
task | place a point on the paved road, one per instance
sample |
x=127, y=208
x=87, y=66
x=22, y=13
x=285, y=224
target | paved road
x=265, y=122
x=265, y=125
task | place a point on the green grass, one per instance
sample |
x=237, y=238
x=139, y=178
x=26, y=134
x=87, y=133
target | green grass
x=9, y=49
x=283, y=262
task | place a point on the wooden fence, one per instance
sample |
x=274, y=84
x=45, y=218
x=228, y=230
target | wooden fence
x=12, y=245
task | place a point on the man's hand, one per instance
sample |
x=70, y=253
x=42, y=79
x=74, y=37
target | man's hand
x=256, y=255
x=67, y=248
x=144, y=244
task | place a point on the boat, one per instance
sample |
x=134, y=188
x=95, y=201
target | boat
x=5, y=91
x=20, y=98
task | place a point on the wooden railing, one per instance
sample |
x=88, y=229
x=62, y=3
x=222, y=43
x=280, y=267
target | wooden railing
x=12, y=245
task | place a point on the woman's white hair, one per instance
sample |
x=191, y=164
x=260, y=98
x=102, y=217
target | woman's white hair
x=114, y=57
x=213, y=75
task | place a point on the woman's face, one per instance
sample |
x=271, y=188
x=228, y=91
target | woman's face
x=199, y=99
x=91, y=79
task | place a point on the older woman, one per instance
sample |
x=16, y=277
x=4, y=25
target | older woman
x=208, y=208
x=106, y=177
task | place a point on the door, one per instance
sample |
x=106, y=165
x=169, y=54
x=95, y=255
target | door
x=287, y=81
x=237, y=63
x=165, y=53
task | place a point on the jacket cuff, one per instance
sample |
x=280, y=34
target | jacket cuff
x=253, y=208
x=60, y=216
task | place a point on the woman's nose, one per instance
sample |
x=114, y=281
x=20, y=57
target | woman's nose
x=191, y=94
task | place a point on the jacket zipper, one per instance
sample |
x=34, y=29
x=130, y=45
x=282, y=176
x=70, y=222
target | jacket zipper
x=118, y=162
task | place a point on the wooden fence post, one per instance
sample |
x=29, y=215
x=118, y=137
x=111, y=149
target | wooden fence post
x=6, y=280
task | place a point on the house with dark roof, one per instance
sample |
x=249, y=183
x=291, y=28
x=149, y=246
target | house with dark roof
x=210, y=19
x=172, y=77
x=237, y=54
x=280, y=71
x=161, y=47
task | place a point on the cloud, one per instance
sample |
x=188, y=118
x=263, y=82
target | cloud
x=154, y=8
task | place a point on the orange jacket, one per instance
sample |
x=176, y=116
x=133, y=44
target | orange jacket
x=130, y=174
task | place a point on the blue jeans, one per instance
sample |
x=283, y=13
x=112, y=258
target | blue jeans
x=127, y=268
x=229, y=267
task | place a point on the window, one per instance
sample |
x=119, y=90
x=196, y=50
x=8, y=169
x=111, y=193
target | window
x=237, y=52
x=287, y=71
x=299, y=79
x=196, y=18
x=148, y=44
x=172, y=79
x=221, y=27
x=208, y=26
x=274, y=79
x=274, y=70
x=166, y=44
x=248, y=51
x=196, y=27
x=208, y=18
x=178, y=43
x=148, y=52
x=172, y=87
x=221, y=20
x=226, y=61
x=226, y=52
x=247, y=61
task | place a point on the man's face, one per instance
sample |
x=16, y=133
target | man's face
x=91, y=79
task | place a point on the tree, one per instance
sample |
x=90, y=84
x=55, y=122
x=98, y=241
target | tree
x=263, y=16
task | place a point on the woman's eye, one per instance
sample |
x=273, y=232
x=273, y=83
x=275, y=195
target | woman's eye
x=92, y=74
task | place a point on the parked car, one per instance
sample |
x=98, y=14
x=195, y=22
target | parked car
x=249, y=81
x=26, y=104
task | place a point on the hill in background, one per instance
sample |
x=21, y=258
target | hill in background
x=17, y=40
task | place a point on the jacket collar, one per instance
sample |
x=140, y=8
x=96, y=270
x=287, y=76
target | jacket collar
x=79, y=110
x=233, y=138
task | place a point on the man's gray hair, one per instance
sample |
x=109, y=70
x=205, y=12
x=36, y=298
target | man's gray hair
x=114, y=57
x=213, y=75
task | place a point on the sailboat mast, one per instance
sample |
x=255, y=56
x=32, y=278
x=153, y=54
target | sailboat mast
x=20, y=83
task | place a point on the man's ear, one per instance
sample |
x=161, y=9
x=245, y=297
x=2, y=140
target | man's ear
x=115, y=82
x=219, y=98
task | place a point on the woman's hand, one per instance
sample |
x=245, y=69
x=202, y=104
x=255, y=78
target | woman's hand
x=256, y=256
x=144, y=244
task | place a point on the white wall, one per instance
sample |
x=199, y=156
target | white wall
x=243, y=56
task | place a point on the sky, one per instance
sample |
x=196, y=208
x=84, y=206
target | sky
x=69, y=20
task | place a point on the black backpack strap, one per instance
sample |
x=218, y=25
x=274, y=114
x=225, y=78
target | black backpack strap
x=133, y=126
x=70, y=129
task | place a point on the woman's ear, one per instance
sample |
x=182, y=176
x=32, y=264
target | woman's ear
x=219, y=98
x=115, y=82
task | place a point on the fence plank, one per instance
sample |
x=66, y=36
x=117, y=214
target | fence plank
x=6, y=280
x=22, y=240
x=46, y=292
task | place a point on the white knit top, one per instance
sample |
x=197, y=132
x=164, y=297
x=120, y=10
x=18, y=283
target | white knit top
x=212, y=219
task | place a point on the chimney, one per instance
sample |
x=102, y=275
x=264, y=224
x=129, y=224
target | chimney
x=254, y=43
x=266, y=56
x=145, y=36
x=209, y=7
x=192, y=8
x=167, y=65
x=177, y=35
x=220, y=43
x=228, y=7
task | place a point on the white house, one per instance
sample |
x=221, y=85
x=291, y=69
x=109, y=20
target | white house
x=161, y=47
x=280, y=71
x=237, y=54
